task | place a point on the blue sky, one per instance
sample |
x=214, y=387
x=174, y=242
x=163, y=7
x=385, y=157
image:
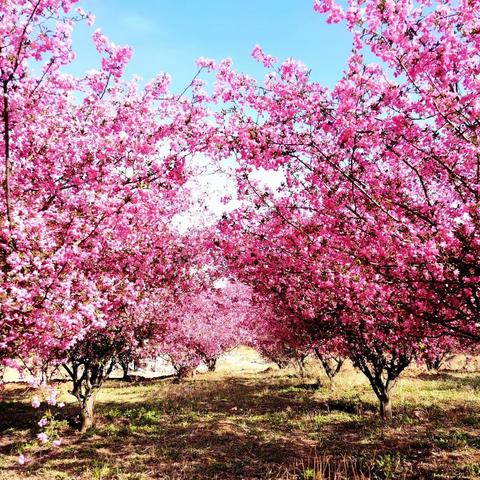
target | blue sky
x=169, y=35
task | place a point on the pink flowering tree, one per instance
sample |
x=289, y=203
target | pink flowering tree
x=375, y=225
x=421, y=117
x=330, y=303
x=437, y=350
x=93, y=176
x=203, y=324
x=128, y=331
x=277, y=336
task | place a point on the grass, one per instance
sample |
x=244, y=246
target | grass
x=245, y=425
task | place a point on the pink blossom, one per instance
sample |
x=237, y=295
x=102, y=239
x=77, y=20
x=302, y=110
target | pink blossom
x=207, y=63
x=336, y=13
x=267, y=60
x=52, y=396
x=42, y=422
x=42, y=437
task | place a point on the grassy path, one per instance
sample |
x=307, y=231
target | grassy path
x=256, y=425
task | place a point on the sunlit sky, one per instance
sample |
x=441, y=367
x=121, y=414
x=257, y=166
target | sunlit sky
x=169, y=35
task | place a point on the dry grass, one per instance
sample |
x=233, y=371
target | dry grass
x=245, y=425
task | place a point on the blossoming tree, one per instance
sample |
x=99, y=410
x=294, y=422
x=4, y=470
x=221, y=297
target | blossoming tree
x=204, y=323
x=375, y=226
x=93, y=173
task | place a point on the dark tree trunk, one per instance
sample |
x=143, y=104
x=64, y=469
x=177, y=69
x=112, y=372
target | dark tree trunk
x=436, y=363
x=331, y=365
x=87, y=380
x=281, y=364
x=382, y=372
x=183, y=372
x=300, y=364
x=382, y=391
x=125, y=370
x=385, y=408
x=211, y=364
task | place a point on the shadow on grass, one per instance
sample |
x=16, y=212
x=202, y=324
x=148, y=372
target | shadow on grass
x=16, y=415
x=138, y=381
x=201, y=432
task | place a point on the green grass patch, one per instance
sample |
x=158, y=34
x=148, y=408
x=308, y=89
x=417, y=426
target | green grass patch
x=275, y=426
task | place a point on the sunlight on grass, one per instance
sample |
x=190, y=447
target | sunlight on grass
x=259, y=426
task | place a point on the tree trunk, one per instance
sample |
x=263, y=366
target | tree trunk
x=87, y=419
x=300, y=364
x=331, y=365
x=125, y=370
x=183, y=372
x=281, y=364
x=385, y=408
x=382, y=372
x=382, y=391
x=211, y=364
x=87, y=380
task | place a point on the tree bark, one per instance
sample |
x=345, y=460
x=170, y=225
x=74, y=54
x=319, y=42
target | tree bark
x=211, y=364
x=281, y=364
x=386, y=408
x=87, y=380
x=300, y=364
x=125, y=369
x=87, y=418
x=382, y=372
x=331, y=365
x=183, y=372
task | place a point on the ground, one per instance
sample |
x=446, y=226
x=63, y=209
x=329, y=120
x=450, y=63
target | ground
x=250, y=420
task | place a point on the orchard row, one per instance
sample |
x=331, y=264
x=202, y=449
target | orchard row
x=368, y=248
